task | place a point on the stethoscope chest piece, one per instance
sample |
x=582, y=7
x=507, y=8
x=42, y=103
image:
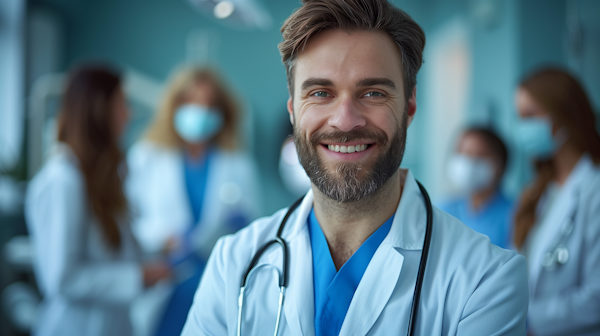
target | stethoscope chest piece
x=553, y=259
x=560, y=254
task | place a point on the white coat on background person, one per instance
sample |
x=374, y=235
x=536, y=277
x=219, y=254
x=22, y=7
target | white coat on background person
x=87, y=287
x=157, y=191
x=567, y=297
x=189, y=184
x=196, y=121
x=557, y=223
x=461, y=295
x=86, y=261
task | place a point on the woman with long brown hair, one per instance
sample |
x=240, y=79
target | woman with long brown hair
x=87, y=262
x=191, y=182
x=557, y=224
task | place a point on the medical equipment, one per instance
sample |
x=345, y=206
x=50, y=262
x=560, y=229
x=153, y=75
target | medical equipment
x=559, y=254
x=283, y=277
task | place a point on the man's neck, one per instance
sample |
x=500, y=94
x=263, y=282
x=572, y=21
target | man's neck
x=347, y=225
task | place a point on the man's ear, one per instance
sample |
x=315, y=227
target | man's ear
x=290, y=108
x=411, y=109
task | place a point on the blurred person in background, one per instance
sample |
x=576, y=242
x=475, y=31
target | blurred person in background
x=476, y=170
x=557, y=222
x=291, y=172
x=190, y=183
x=87, y=262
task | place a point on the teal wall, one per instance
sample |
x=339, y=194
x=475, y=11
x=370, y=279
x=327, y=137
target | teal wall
x=150, y=35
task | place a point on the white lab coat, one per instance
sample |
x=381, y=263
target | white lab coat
x=157, y=192
x=471, y=286
x=87, y=287
x=566, y=301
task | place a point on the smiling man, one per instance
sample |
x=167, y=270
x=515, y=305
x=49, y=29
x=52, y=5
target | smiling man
x=363, y=253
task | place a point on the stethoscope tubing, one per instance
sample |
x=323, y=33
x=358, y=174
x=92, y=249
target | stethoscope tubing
x=414, y=310
x=283, y=277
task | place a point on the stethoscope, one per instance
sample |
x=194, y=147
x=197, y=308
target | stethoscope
x=558, y=255
x=283, y=277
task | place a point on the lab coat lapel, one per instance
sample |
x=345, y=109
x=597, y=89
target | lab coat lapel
x=299, y=300
x=563, y=208
x=374, y=291
x=560, y=212
x=383, y=273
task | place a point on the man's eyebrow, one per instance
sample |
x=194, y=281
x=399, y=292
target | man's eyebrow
x=316, y=82
x=376, y=81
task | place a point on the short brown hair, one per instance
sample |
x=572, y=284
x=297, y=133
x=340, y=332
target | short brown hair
x=316, y=16
x=162, y=131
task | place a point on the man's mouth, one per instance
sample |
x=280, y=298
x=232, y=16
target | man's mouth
x=347, y=149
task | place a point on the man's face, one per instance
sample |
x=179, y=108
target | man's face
x=349, y=112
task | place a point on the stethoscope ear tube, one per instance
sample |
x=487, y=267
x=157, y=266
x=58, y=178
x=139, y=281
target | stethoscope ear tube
x=283, y=277
x=423, y=263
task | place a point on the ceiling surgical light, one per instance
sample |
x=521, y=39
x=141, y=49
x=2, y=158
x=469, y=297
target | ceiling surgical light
x=236, y=14
x=224, y=9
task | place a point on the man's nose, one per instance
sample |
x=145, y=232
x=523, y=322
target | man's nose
x=347, y=116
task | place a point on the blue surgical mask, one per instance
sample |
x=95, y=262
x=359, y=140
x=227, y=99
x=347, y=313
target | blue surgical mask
x=197, y=123
x=534, y=137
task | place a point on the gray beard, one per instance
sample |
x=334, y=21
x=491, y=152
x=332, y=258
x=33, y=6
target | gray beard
x=351, y=181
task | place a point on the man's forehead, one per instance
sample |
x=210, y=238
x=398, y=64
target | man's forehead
x=355, y=54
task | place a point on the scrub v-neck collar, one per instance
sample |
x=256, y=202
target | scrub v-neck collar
x=333, y=290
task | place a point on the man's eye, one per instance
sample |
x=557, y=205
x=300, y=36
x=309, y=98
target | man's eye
x=321, y=94
x=374, y=94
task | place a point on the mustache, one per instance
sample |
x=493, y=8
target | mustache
x=378, y=137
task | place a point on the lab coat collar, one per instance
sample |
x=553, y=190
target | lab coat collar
x=408, y=228
x=62, y=149
x=299, y=301
x=375, y=289
x=580, y=174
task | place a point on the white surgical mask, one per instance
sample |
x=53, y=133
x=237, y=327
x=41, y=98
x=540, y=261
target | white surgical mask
x=534, y=137
x=469, y=174
x=197, y=123
x=292, y=173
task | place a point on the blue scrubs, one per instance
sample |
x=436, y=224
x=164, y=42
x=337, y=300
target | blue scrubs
x=494, y=219
x=176, y=311
x=196, y=176
x=334, y=289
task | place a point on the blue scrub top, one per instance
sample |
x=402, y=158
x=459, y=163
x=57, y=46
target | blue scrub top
x=178, y=306
x=333, y=290
x=196, y=177
x=494, y=219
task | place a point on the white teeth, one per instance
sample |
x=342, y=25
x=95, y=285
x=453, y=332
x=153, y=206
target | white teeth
x=347, y=149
